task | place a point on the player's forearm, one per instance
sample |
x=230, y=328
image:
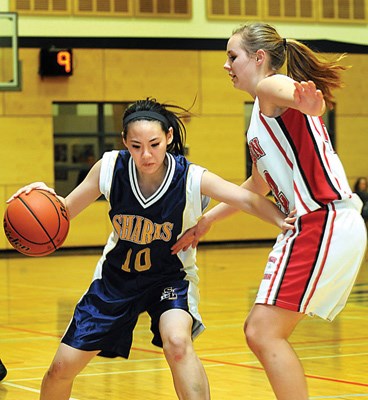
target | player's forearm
x=255, y=204
x=224, y=210
x=79, y=199
x=266, y=210
x=219, y=212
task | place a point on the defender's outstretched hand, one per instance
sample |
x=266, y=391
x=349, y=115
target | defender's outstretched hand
x=191, y=236
x=308, y=98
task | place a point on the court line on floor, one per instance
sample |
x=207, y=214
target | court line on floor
x=334, y=356
x=217, y=362
x=56, y=335
x=201, y=352
x=14, y=328
x=308, y=342
x=213, y=364
x=335, y=380
x=28, y=389
x=92, y=363
x=340, y=396
x=230, y=363
x=83, y=375
x=305, y=342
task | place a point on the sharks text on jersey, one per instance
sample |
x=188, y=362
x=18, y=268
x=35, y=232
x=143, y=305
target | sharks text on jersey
x=137, y=229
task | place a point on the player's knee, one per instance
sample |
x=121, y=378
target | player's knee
x=177, y=347
x=59, y=371
x=253, y=336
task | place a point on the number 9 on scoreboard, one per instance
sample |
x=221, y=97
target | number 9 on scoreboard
x=56, y=62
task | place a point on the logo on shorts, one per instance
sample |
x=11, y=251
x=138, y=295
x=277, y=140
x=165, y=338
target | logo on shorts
x=270, y=267
x=169, y=294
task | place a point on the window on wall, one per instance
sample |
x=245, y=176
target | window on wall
x=328, y=119
x=82, y=133
x=326, y=11
x=105, y=8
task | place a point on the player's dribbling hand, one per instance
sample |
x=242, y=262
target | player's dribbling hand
x=28, y=188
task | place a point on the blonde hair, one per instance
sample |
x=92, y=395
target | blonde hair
x=302, y=63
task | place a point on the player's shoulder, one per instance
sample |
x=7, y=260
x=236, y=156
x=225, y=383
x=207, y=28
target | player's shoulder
x=110, y=161
x=273, y=83
x=117, y=157
x=179, y=158
x=275, y=94
x=186, y=164
x=180, y=162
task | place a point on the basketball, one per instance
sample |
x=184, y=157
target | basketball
x=36, y=224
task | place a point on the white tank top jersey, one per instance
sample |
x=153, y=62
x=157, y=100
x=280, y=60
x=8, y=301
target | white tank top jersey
x=313, y=268
x=302, y=156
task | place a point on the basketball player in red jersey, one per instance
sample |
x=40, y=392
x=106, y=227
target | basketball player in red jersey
x=311, y=270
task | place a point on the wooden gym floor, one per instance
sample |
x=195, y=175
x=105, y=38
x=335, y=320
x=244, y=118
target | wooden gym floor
x=37, y=297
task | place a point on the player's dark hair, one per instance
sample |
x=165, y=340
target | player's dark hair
x=302, y=63
x=168, y=115
x=358, y=183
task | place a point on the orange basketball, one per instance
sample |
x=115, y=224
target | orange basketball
x=36, y=224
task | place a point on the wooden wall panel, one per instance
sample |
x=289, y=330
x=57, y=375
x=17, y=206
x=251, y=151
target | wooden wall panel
x=217, y=93
x=87, y=82
x=32, y=99
x=91, y=226
x=38, y=93
x=218, y=144
x=26, y=153
x=352, y=99
x=352, y=145
x=169, y=76
x=241, y=226
x=1, y=104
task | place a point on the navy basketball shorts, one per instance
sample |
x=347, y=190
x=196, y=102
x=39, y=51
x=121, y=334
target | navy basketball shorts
x=104, y=321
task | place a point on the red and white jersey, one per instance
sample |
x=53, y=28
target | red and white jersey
x=294, y=155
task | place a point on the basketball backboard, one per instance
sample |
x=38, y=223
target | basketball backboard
x=9, y=63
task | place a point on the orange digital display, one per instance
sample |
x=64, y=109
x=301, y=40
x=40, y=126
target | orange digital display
x=64, y=59
x=56, y=62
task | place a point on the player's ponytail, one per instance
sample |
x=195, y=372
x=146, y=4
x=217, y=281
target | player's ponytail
x=302, y=63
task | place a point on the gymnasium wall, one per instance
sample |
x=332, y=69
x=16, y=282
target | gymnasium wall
x=215, y=133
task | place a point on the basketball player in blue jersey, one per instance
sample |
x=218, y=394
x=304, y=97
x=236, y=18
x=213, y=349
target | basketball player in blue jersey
x=311, y=271
x=155, y=195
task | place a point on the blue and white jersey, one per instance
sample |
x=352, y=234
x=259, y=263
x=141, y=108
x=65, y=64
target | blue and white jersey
x=144, y=229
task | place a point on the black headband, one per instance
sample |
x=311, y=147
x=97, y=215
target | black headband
x=151, y=115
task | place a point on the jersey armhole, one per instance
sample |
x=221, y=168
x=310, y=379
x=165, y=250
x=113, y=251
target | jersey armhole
x=107, y=172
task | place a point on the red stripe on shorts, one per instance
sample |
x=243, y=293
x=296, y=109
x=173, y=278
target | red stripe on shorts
x=302, y=261
x=325, y=253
